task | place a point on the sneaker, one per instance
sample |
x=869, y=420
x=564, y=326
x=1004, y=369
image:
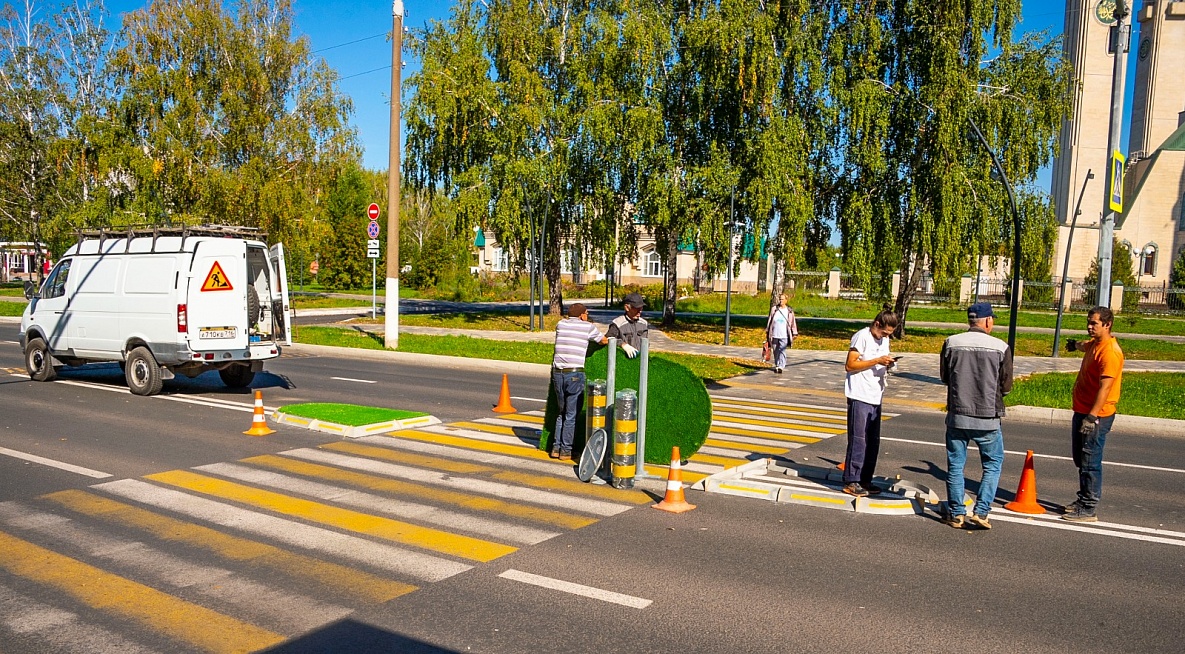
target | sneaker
x=1072, y=507
x=980, y=521
x=555, y=453
x=1081, y=514
x=566, y=457
x=872, y=489
x=855, y=489
x=956, y=521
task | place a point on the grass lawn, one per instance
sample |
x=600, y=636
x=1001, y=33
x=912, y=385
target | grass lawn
x=352, y=415
x=705, y=367
x=324, y=302
x=1152, y=394
x=8, y=308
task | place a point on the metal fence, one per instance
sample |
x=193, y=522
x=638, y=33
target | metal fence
x=931, y=292
x=848, y=290
x=1040, y=295
x=806, y=281
x=1155, y=299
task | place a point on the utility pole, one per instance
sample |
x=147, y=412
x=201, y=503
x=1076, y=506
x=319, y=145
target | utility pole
x=1114, y=168
x=391, y=315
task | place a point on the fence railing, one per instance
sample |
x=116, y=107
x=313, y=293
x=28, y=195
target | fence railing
x=806, y=281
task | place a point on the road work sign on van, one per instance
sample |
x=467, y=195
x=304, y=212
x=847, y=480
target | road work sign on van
x=216, y=280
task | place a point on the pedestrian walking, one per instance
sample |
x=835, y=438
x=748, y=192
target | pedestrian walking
x=977, y=370
x=572, y=336
x=780, y=330
x=629, y=329
x=1096, y=392
x=868, y=363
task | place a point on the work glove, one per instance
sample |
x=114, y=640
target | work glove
x=1071, y=345
x=630, y=350
x=1089, y=424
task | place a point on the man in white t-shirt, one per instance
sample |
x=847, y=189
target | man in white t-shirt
x=572, y=336
x=868, y=363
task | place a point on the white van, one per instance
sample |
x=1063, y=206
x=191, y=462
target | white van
x=161, y=302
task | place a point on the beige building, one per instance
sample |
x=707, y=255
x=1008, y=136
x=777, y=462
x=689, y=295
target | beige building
x=1153, y=222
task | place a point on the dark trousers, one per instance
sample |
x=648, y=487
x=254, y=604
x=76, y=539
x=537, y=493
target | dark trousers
x=864, y=441
x=569, y=391
x=1088, y=456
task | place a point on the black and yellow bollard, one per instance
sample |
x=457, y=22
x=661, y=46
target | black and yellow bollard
x=592, y=459
x=596, y=405
x=625, y=438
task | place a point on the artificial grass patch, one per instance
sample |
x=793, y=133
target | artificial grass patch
x=678, y=410
x=353, y=415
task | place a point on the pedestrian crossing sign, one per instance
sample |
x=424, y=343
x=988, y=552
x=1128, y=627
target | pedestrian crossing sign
x=216, y=280
x=1115, y=196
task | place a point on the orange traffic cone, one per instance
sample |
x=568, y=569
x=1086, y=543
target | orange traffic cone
x=503, y=405
x=1026, y=493
x=258, y=421
x=674, y=502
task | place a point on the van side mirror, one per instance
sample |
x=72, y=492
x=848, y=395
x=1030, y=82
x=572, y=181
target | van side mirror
x=30, y=289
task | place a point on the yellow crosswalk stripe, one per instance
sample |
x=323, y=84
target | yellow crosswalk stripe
x=394, y=530
x=775, y=405
x=410, y=458
x=338, y=579
x=745, y=447
x=486, y=427
x=769, y=435
x=798, y=419
x=789, y=424
x=574, y=487
x=534, y=420
x=395, y=486
x=196, y=625
x=712, y=459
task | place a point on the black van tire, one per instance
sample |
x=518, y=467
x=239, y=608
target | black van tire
x=253, y=308
x=39, y=360
x=237, y=375
x=142, y=372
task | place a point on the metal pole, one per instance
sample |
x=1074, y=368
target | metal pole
x=1061, y=300
x=1014, y=303
x=374, y=292
x=531, y=270
x=539, y=258
x=1114, y=133
x=643, y=386
x=610, y=384
x=728, y=288
x=391, y=312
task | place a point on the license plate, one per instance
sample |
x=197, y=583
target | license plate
x=218, y=332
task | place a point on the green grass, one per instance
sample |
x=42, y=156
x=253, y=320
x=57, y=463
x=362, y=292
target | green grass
x=347, y=414
x=7, y=290
x=324, y=302
x=9, y=308
x=1151, y=394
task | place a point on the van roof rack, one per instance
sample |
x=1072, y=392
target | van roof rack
x=184, y=231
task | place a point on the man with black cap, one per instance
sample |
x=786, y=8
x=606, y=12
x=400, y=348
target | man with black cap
x=977, y=371
x=631, y=328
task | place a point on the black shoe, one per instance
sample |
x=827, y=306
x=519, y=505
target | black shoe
x=855, y=489
x=1072, y=507
x=872, y=489
x=1081, y=515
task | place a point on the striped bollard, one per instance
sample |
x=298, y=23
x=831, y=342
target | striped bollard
x=625, y=437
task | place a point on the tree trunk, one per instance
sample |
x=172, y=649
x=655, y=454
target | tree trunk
x=670, y=285
x=913, y=265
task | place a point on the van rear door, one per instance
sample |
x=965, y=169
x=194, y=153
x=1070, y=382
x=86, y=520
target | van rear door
x=280, y=307
x=216, y=306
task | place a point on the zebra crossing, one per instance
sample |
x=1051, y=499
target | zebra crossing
x=243, y=555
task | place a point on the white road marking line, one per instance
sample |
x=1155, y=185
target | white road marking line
x=11, y=342
x=217, y=403
x=370, y=502
x=1045, y=456
x=1100, y=524
x=528, y=399
x=60, y=465
x=789, y=431
x=759, y=404
x=481, y=486
x=351, y=379
x=576, y=589
x=1061, y=524
x=471, y=456
x=345, y=546
x=58, y=629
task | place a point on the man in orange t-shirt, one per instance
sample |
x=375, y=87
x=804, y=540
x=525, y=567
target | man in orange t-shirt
x=1096, y=391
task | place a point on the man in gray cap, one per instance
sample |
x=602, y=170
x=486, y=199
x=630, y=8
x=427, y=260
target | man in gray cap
x=631, y=328
x=977, y=371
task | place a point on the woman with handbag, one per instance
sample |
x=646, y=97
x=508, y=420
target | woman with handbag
x=780, y=330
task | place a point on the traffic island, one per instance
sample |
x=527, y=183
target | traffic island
x=791, y=483
x=351, y=420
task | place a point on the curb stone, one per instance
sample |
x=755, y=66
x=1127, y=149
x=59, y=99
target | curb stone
x=354, y=431
x=1124, y=424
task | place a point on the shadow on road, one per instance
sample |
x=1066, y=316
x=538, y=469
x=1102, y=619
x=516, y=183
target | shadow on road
x=355, y=637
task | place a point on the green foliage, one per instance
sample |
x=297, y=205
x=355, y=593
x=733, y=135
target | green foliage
x=678, y=410
x=1122, y=272
x=1177, y=281
x=343, y=256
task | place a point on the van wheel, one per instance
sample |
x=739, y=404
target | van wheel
x=237, y=376
x=39, y=361
x=142, y=372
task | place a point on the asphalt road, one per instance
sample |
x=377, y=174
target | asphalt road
x=735, y=575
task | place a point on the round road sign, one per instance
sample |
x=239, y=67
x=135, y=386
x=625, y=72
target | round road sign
x=372, y=211
x=372, y=230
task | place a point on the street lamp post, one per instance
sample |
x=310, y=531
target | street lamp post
x=1061, y=301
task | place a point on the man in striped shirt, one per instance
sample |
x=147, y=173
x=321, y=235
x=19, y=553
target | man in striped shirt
x=572, y=336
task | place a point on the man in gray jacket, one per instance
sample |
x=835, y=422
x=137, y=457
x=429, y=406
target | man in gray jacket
x=977, y=371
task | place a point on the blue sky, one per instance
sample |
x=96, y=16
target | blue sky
x=351, y=36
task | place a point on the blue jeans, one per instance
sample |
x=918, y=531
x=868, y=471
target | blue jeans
x=1088, y=456
x=991, y=453
x=864, y=442
x=569, y=391
x=779, y=351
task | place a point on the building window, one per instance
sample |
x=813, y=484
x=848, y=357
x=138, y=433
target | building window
x=499, y=260
x=1148, y=259
x=653, y=265
x=1181, y=218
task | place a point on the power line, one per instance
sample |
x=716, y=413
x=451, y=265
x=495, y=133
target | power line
x=342, y=45
x=365, y=72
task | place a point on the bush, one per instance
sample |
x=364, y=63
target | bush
x=678, y=410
